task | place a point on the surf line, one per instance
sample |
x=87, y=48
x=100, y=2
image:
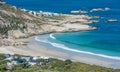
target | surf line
x=62, y=46
x=52, y=36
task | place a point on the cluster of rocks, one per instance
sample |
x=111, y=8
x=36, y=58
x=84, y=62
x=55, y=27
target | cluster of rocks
x=3, y=36
x=16, y=34
x=10, y=43
x=41, y=13
x=92, y=10
x=78, y=12
x=1, y=3
x=112, y=20
x=99, y=9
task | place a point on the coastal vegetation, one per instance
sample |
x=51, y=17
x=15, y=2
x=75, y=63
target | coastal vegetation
x=54, y=65
x=8, y=18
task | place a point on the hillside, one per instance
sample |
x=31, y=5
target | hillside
x=15, y=20
x=54, y=65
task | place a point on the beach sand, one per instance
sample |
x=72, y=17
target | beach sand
x=33, y=48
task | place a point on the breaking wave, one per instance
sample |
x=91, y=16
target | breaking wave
x=51, y=36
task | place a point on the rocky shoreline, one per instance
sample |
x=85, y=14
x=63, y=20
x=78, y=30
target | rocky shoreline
x=34, y=24
x=66, y=26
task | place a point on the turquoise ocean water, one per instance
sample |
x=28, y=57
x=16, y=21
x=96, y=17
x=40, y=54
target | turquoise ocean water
x=104, y=42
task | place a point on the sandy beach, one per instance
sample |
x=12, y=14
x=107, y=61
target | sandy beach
x=33, y=48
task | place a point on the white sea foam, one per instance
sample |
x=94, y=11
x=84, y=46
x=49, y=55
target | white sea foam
x=107, y=8
x=62, y=46
x=40, y=40
x=51, y=36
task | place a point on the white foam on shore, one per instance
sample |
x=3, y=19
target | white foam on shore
x=62, y=46
x=51, y=36
x=44, y=41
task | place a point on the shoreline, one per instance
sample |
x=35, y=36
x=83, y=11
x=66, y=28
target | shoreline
x=34, y=48
x=96, y=59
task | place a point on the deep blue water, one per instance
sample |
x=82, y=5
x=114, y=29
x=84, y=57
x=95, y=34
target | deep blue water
x=105, y=40
x=63, y=6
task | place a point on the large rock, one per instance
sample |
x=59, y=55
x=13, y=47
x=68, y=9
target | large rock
x=16, y=34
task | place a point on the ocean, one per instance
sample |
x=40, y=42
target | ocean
x=103, y=42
